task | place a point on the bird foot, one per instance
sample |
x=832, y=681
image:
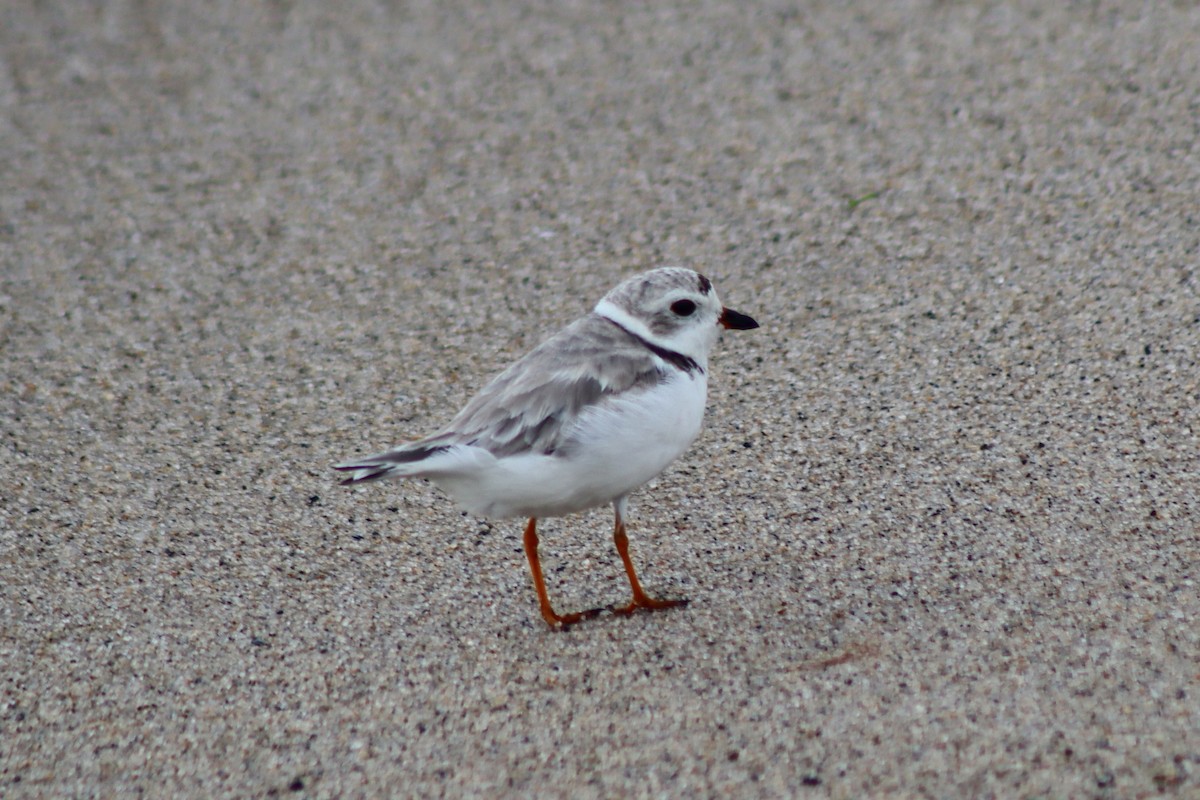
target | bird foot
x=648, y=603
x=561, y=622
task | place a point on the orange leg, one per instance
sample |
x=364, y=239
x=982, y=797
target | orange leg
x=539, y=584
x=640, y=598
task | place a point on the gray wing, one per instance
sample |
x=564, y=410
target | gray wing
x=529, y=406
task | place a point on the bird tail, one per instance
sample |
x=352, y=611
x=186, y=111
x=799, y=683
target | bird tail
x=399, y=462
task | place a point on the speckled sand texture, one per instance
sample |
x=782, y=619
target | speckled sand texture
x=941, y=530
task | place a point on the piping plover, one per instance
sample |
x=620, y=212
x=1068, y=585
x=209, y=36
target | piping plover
x=583, y=419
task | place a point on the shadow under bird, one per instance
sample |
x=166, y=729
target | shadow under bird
x=582, y=420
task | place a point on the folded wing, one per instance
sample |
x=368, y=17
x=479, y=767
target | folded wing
x=529, y=406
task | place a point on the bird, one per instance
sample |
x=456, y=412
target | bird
x=582, y=420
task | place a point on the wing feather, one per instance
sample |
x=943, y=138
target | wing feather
x=529, y=406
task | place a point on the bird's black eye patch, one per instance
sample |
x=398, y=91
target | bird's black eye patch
x=684, y=308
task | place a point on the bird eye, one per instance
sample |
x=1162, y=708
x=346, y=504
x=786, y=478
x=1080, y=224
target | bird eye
x=683, y=308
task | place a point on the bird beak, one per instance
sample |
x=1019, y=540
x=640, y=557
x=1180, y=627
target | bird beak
x=733, y=320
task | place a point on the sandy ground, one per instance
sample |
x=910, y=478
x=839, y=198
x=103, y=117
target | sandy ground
x=939, y=534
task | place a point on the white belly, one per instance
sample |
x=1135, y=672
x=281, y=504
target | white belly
x=619, y=445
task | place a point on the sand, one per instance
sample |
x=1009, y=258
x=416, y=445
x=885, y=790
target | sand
x=940, y=534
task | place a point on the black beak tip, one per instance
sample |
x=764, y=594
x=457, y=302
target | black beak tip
x=737, y=321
